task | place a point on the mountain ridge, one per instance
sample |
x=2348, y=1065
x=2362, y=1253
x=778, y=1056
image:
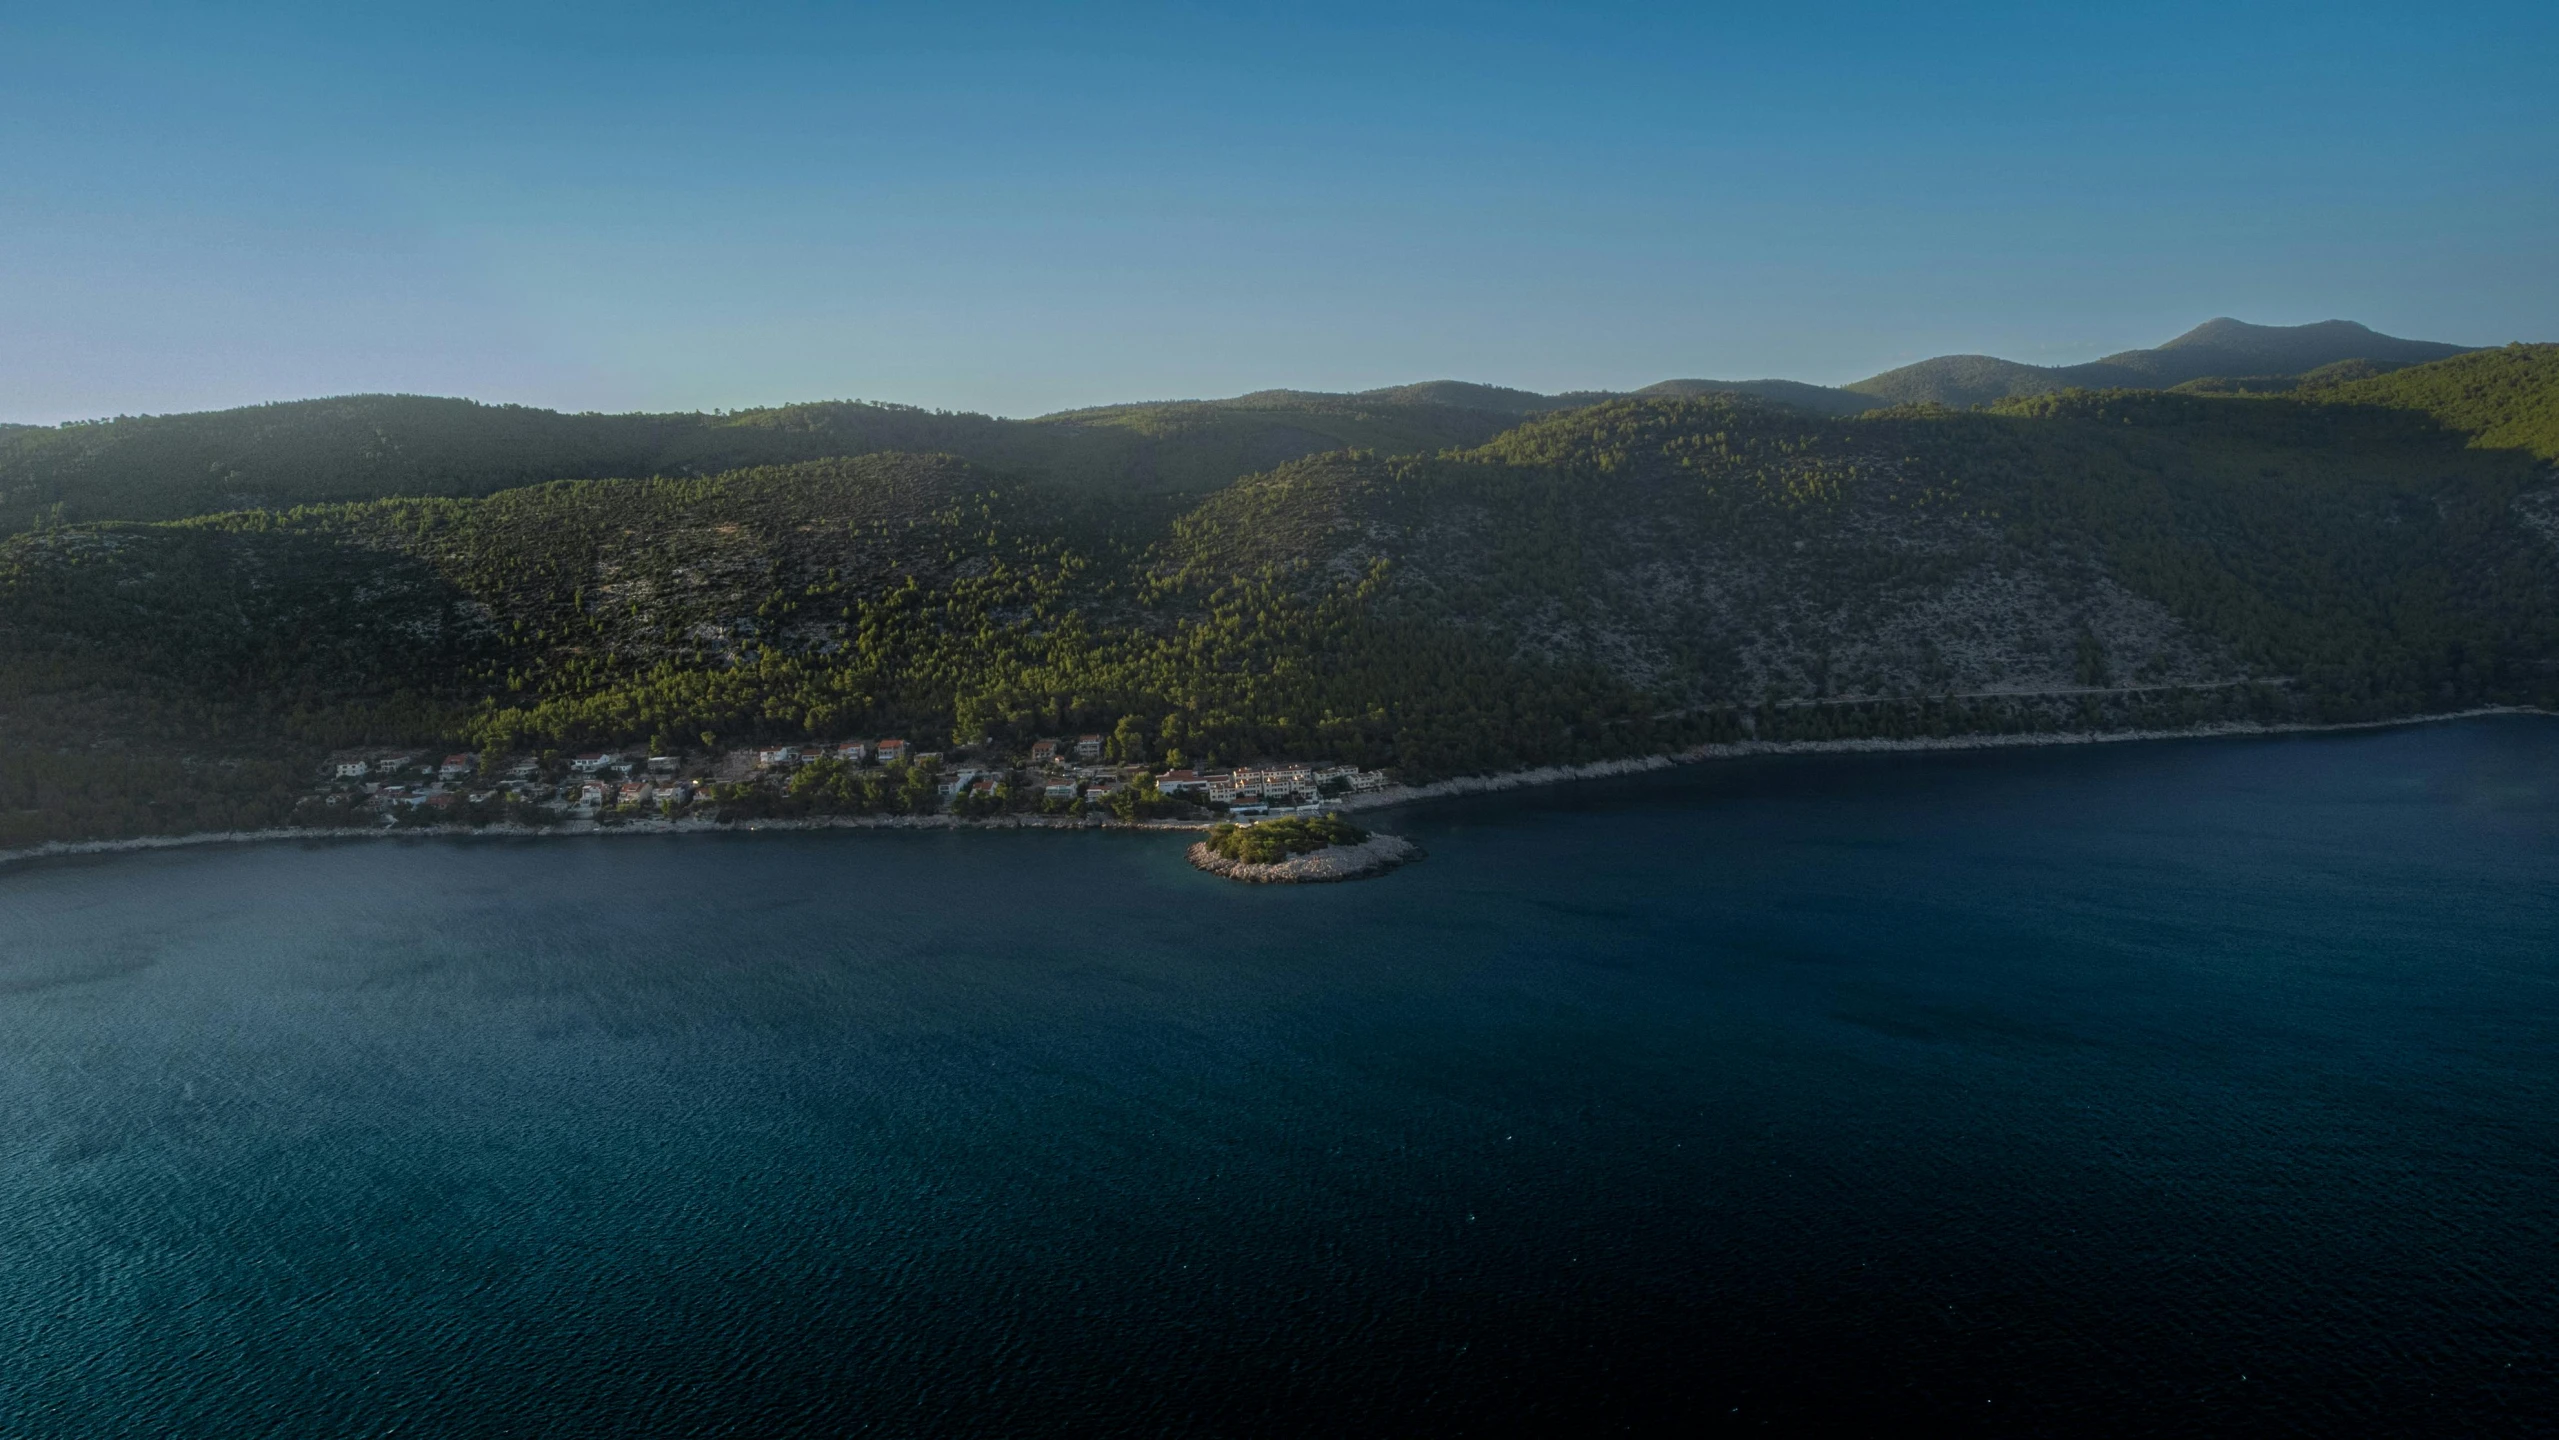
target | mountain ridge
x=360, y=447
x=2220, y=347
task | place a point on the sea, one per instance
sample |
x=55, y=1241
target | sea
x=2201, y=1087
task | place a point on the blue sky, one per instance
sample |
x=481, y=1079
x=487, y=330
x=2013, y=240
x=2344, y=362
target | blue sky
x=1023, y=208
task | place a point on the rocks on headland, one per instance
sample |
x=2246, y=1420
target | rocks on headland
x=1373, y=856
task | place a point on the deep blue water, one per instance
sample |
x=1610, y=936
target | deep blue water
x=2204, y=1087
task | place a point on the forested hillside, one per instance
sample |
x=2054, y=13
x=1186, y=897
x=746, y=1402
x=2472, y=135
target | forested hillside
x=2507, y=397
x=1616, y=579
x=364, y=447
x=1819, y=399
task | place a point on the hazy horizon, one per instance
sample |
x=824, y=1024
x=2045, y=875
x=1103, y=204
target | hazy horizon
x=1015, y=213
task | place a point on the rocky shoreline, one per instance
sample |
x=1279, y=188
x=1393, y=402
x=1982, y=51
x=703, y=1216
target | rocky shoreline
x=1372, y=800
x=586, y=830
x=1373, y=856
x=1636, y=765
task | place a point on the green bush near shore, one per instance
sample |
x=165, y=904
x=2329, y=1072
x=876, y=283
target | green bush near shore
x=1272, y=841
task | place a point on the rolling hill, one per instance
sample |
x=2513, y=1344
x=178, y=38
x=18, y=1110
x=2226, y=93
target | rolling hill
x=2216, y=348
x=2506, y=398
x=1817, y=399
x=362, y=447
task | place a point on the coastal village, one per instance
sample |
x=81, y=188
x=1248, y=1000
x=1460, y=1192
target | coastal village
x=1063, y=778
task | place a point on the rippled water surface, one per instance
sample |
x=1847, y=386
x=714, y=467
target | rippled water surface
x=2178, y=1088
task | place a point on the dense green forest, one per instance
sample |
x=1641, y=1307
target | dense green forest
x=2507, y=397
x=363, y=447
x=1619, y=578
x=1272, y=841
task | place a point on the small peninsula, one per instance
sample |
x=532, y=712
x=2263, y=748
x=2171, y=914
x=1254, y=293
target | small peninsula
x=1300, y=850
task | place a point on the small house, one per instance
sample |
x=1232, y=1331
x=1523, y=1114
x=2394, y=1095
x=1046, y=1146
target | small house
x=892, y=752
x=1062, y=790
x=778, y=755
x=352, y=769
x=1181, y=782
x=1088, y=747
x=1043, y=752
x=591, y=764
x=852, y=752
x=456, y=766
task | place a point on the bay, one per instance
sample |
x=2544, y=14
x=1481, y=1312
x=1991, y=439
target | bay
x=2177, y=1088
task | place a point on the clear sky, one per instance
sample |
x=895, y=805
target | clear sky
x=1021, y=208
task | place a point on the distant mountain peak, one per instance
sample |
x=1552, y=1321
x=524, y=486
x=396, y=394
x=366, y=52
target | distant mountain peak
x=2221, y=346
x=2223, y=330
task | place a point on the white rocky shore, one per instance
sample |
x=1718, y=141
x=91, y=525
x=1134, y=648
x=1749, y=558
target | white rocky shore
x=1373, y=856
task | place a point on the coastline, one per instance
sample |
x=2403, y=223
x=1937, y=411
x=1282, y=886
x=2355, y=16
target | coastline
x=1372, y=800
x=1746, y=749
